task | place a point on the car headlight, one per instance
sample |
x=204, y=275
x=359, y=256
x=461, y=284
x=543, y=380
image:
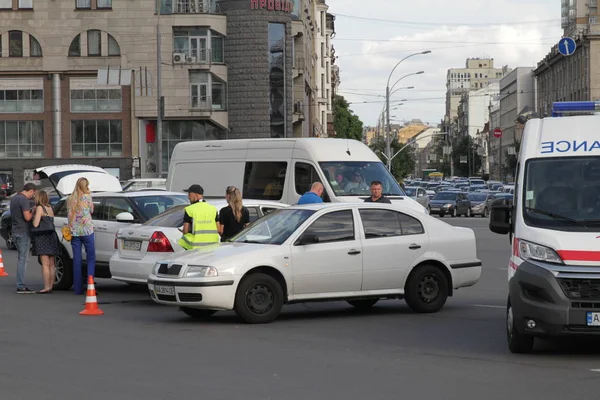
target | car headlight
x=199, y=271
x=532, y=251
x=449, y=205
x=478, y=206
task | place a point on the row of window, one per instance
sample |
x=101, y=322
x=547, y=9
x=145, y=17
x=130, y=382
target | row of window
x=94, y=45
x=16, y=47
x=167, y=6
x=86, y=100
x=79, y=4
x=89, y=138
x=21, y=101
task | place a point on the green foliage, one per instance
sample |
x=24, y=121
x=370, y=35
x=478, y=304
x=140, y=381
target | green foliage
x=404, y=163
x=345, y=122
x=510, y=161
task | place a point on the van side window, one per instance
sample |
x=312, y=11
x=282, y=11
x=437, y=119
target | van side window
x=264, y=180
x=304, y=176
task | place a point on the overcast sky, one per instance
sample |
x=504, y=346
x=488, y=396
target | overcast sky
x=373, y=35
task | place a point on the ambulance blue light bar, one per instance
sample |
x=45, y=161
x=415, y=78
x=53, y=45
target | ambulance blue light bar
x=573, y=107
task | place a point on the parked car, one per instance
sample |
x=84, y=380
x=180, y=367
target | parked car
x=453, y=203
x=481, y=203
x=146, y=183
x=419, y=194
x=321, y=252
x=140, y=247
x=430, y=194
x=7, y=185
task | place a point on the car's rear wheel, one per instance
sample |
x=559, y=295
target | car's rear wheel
x=64, y=271
x=426, y=289
x=517, y=342
x=362, y=304
x=198, y=313
x=258, y=299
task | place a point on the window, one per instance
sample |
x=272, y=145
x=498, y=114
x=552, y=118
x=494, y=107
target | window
x=75, y=47
x=21, y=101
x=277, y=78
x=203, y=83
x=253, y=212
x=217, y=49
x=94, y=43
x=337, y=226
x=21, y=139
x=387, y=223
x=15, y=44
x=115, y=206
x=5, y=4
x=593, y=20
x=25, y=4
x=113, y=47
x=35, y=50
x=85, y=4
x=193, y=42
x=353, y=178
x=104, y=4
x=151, y=206
x=96, y=100
x=99, y=213
x=102, y=138
x=218, y=94
x=264, y=180
x=61, y=209
x=304, y=176
x=181, y=131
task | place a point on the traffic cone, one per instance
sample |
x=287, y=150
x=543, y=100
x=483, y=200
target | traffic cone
x=91, y=302
x=2, y=271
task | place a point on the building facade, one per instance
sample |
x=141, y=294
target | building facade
x=578, y=15
x=80, y=84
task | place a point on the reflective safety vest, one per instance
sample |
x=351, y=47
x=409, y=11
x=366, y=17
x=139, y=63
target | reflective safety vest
x=203, y=231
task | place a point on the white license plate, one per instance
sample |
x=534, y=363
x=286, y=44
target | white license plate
x=132, y=245
x=593, y=319
x=168, y=290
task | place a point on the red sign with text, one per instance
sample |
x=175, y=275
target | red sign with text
x=497, y=132
x=272, y=5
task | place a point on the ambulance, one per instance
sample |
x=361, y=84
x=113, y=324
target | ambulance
x=553, y=223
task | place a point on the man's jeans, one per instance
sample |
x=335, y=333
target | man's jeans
x=90, y=252
x=23, y=243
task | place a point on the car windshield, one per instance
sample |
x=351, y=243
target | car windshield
x=353, y=178
x=172, y=218
x=275, y=228
x=566, y=187
x=410, y=191
x=445, y=196
x=477, y=197
x=152, y=205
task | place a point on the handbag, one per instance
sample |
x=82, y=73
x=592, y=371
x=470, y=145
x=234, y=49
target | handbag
x=46, y=226
x=66, y=233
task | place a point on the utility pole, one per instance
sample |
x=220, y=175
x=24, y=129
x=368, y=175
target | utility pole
x=159, y=100
x=388, y=150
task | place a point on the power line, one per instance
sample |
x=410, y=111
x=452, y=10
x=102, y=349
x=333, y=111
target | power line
x=531, y=22
x=435, y=41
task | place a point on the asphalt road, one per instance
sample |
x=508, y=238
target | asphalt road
x=139, y=350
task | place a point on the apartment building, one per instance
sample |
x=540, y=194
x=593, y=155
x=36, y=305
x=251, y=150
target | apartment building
x=324, y=28
x=79, y=81
x=578, y=15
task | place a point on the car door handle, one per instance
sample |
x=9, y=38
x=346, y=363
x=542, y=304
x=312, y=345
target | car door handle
x=414, y=246
x=101, y=227
x=354, y=252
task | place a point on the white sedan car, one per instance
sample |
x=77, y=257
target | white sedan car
x=360, y=253
x=139, y=247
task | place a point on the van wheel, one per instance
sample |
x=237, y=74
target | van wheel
x=64, y=272
x=258, y=299
x=362, y=304
x=197, y=313
x=517, y=342
x=426, y=289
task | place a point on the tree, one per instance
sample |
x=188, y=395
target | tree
x=510, y=161
x=404, y=163
x=345, y=122
x=465, y=146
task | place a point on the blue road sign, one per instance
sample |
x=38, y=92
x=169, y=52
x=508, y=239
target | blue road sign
x=566, y=46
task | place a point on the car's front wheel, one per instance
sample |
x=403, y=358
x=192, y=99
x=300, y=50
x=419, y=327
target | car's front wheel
x=64, y=271
x=485, y=213
x=362, y=304
x=517, y=342
x=197, y=313
x=258, y=299
x=426, y=289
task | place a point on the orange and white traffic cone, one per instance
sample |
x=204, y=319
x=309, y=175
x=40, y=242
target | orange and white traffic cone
x=91, y=302
x=2, y=271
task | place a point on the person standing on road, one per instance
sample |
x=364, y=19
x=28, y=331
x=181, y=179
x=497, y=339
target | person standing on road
x=80, y=209
x=314, y=195
x=199, y=221
x=376, y=194
x=21, y=214
x=235, y=217
x=45, y=242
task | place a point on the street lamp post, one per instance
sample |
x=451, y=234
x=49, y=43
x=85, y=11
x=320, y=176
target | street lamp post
x=387, y=105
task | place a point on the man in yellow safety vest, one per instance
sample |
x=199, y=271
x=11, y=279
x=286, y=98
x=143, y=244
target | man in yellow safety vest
x=199, y=221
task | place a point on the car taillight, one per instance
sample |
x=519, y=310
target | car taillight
x=4, y=186
x=159, y=243
x=116, y=242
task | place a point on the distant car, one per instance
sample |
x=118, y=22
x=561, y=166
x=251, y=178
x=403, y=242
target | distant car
x=453, y=203
x=376, y=251
x=419, y=194
x=430, y=194
x=481, y=203
x=6, y=185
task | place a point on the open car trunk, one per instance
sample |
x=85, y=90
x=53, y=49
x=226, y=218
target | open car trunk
x=64, y=177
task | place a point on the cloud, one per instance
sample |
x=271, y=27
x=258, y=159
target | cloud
x=371, y=42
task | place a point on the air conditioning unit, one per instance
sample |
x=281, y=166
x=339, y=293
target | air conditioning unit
x=190, y=60
x=178, y=58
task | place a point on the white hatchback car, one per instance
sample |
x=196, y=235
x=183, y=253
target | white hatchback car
x=140, y=247
x=360, y=252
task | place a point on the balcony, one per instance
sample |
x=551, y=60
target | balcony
x=195, y=58
x=188, y=7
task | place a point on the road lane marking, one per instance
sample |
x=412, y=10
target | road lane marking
x=487, y=306
x=594, y=370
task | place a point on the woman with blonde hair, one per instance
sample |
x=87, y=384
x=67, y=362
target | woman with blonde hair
x=233, y=218
x=80, y=208
x=45, y=240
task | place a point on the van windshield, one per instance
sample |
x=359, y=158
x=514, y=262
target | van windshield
x=562, y=193
x=353, y=178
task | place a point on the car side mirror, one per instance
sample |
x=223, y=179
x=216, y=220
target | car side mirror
x=125, y=217
x=501, y=215
x=307, y=239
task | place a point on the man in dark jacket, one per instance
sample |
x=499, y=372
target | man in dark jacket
x=376, y=194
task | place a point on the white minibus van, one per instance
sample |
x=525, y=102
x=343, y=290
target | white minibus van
x=283, y=169
x=553, y=222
